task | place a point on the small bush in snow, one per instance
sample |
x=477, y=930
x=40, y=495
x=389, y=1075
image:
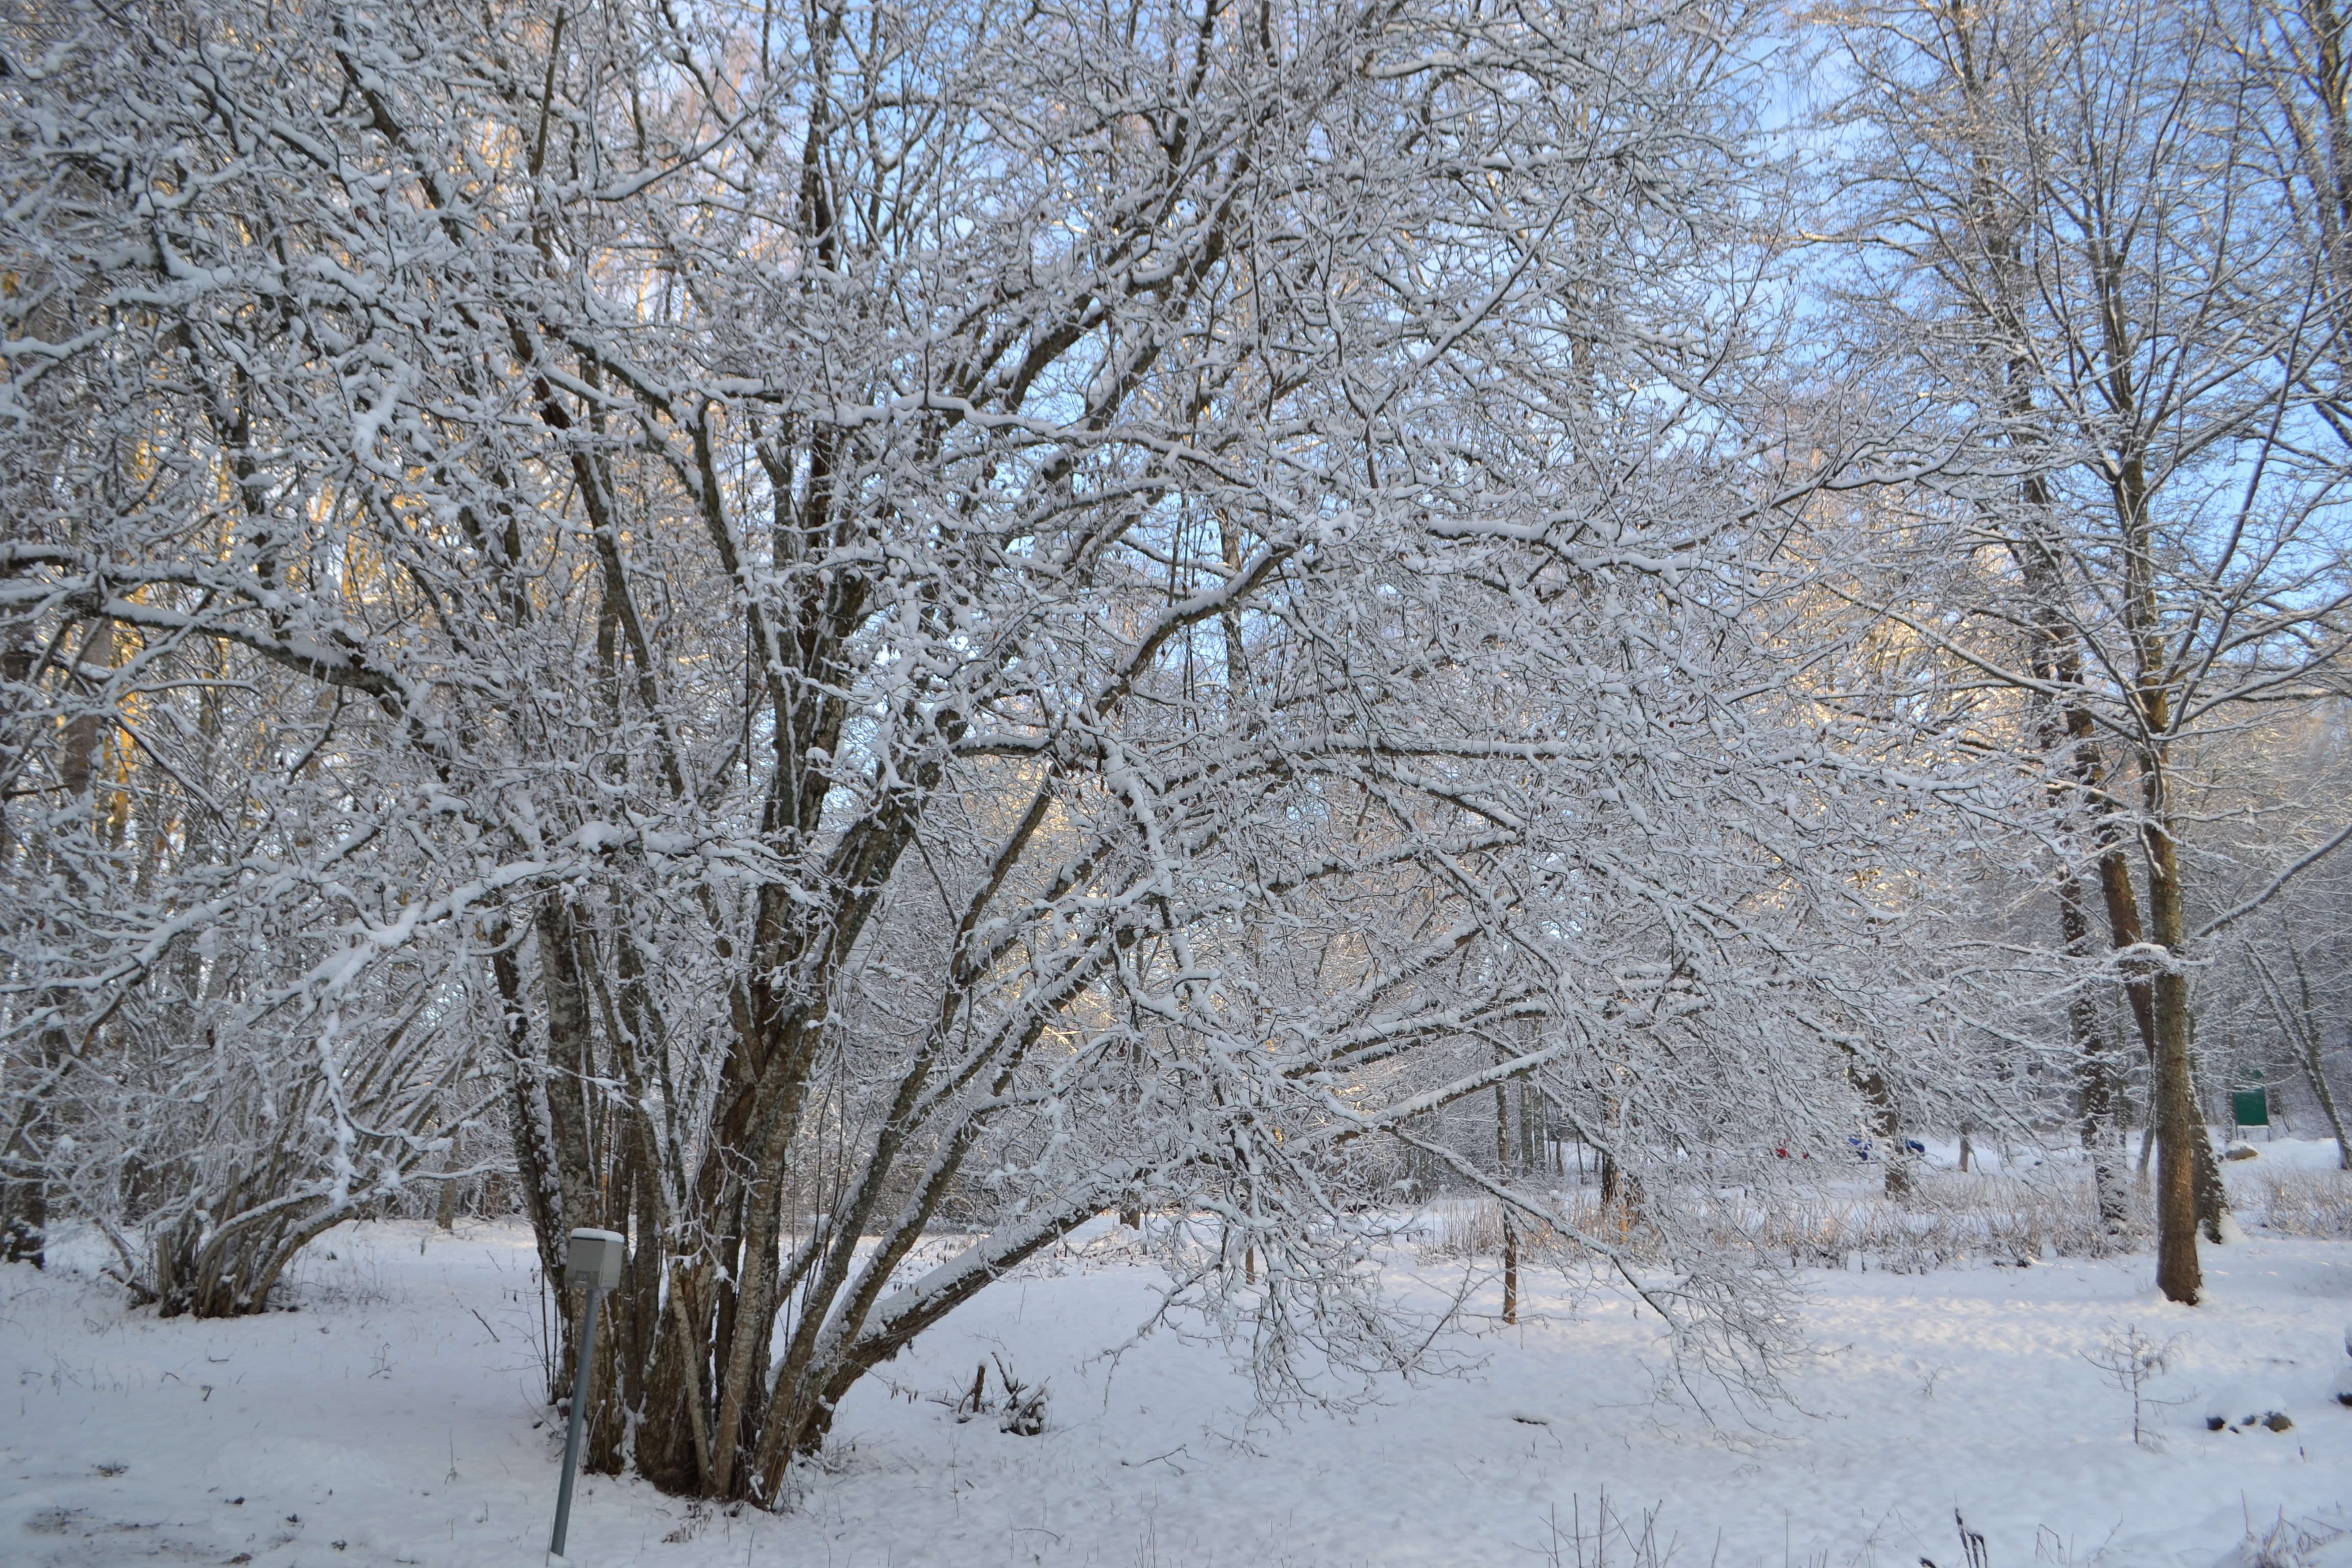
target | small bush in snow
x=2243, y=1406
x=1022, y=1412
x=1025, y=1407
x=2302, y=1203
x=2291, y=1544
x=2130, y=1359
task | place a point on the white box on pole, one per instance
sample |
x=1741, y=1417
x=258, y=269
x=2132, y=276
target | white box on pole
x=595, y=1259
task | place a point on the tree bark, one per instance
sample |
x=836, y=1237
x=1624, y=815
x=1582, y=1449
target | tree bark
x=2094, y=1091
x=2316, y=1070
x=1886, y=1126
x=1510, y=1228
x=2178, y=1273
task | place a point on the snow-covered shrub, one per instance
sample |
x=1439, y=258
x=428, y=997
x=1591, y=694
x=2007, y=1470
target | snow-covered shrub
x=229, y=1111
x=964, y=625
x=1947, y=1217
x=2302, y=1542
x=2299, y=1203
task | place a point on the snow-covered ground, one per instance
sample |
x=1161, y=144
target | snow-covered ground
x=391, y=1420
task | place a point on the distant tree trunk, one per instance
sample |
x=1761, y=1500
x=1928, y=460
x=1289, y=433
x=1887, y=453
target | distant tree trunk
x=1611, y=1176
x=24, y=1194
x=24, y=1160
x=1531, y=1152
x=2077, y=786
x=2095, y=1090
x=1885, y=1125
x=23, y=1178
x=2299, y=1019
x=2313, y=1069
x=1510, y=1228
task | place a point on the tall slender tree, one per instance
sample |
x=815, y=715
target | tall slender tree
x=2070, y=243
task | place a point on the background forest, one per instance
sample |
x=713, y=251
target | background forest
x=843, y=638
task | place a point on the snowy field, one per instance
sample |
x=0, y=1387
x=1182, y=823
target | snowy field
x=391, y=1420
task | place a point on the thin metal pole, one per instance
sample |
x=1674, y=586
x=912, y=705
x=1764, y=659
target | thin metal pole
x=571, y=1436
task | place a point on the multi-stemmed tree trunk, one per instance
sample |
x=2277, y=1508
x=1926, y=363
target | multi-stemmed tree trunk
x=842, y=576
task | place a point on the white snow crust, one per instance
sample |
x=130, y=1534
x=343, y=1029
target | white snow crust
x=390, y=1421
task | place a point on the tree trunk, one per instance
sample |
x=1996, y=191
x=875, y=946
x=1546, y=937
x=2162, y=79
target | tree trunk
x=2095, y=1090
x=2299, y=1019
x=23, y=1178
x=24, y=1191
x=2178, y=1274
x=2158, y=1010
x=2315, y=1070
x=1885, y=1127
x=24, y=1160
x=1510, y=1228
x=526, y=1115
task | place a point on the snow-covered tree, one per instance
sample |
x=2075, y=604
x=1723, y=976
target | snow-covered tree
x=908, y=615
x=2079, y=234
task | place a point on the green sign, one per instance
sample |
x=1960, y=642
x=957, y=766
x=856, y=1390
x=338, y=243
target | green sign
x=2250, y=1108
